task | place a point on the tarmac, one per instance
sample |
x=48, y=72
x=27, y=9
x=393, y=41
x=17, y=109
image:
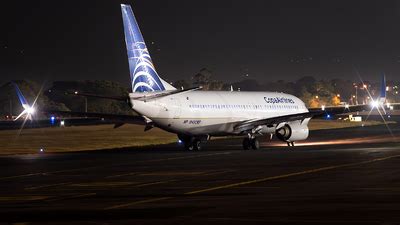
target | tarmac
x=342, y=176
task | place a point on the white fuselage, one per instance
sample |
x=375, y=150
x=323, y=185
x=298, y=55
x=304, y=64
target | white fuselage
x=215, y=112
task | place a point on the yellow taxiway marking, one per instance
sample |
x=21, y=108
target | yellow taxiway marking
x=123, y=175
x=189, y=157
x=289, y=175
x=137, y=203
x=23, y=198
x=102, y=184
x=218, y=172
x=93, y=167
x=171, y=173
x=258, y=181
x=71, y=197
x=46, y=173
x=45, y=186
x=153, y=183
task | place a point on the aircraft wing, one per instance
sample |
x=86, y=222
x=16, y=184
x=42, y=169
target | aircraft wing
x=136, y=96
x=113, y=118
x=334, y=110
x=250, y=124
x=313, y=113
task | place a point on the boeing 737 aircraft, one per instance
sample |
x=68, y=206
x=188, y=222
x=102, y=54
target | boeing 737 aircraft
x=196, y=115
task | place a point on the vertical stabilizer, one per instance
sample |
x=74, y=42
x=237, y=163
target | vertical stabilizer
x=382, y=97
x=144, y=77
x=21, y=97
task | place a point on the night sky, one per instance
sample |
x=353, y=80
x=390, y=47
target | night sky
x=264, y=40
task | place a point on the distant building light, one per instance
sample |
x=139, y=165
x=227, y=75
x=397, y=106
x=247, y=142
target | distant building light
x=323, y=107
x=62, y=123
x=316, y=96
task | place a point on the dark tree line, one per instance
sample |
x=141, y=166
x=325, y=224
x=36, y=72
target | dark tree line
x=58, y=95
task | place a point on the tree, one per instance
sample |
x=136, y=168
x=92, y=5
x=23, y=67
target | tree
x=179, y=84
x=202, y=78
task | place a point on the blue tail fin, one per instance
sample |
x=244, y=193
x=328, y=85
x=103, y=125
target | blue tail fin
x=21, y=97
x=383, y=89
x=28, y=110
x=144, y=77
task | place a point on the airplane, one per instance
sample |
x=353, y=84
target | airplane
x=28, y=110
x=196, y=115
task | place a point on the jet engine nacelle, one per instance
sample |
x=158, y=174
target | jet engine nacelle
x=293, y=131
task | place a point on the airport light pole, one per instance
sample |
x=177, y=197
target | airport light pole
x=356, y=87
x=85, y=104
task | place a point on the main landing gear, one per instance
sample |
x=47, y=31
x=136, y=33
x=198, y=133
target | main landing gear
x=290, y=144
x=190, y=143
x=251, y=143
x=194, y=145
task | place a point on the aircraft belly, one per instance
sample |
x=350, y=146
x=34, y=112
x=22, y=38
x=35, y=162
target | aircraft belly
x=194, y=126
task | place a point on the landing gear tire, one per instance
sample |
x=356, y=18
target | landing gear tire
x=251, y=144
x=189, y=146
x=255, y=144
x=193, y=145
x=290, y=144
x=246, y=144
x=197, y=145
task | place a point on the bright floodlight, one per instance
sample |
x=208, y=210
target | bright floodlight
x=30, y=110
x=374, y=104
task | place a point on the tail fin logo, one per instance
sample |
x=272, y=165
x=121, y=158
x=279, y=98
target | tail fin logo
x=144, y=77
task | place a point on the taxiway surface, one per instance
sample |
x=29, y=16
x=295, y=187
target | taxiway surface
x=356, y=181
